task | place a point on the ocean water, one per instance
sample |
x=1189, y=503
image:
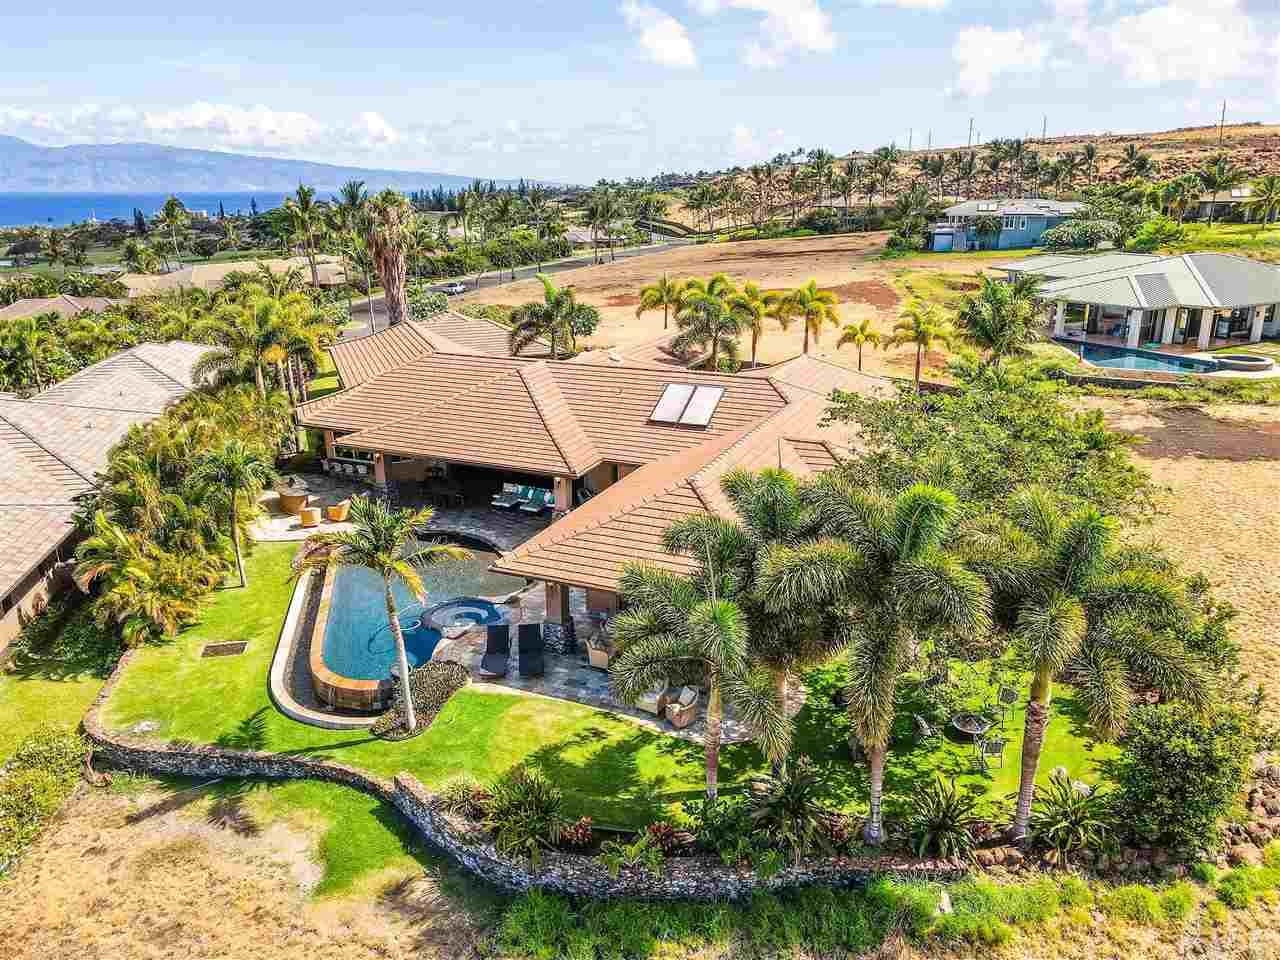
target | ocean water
x=61, y=209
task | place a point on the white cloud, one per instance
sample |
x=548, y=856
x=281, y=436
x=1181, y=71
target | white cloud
x=788, y=27
x=662, y=37
x=746, y=146
x=908, y=4
x=377, y=129
x=983, y=53
x=232, y=126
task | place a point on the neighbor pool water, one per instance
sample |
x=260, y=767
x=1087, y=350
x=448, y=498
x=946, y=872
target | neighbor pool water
x=357, y=638
x=1123, y=358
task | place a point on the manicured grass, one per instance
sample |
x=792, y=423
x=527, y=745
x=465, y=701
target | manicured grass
x=615, y=770
x=1248, y=239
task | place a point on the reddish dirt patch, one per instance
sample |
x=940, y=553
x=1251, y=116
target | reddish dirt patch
x=875, y=292
x=1189, y=432
x=622, y=300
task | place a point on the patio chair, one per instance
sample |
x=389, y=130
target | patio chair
x=656, y=700
x=540, y=501
x=532, y=648
x=988, y=748
x=324, y=466
x=925, y=731
x=512, y=495
x=497, y=651
x=1006, y=699
x=683, y=709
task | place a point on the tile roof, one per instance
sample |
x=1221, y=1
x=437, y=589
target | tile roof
x=63, y=305
x=590, y=546
x=1058, y=266
x=1016, y=207
x=53, y=444
x=1191, y=280
x=211, y=276
x=551, y=417
x=809, y=374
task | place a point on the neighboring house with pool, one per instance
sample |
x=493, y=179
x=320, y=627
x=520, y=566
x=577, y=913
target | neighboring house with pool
x=1147, y=311
x=556, y=473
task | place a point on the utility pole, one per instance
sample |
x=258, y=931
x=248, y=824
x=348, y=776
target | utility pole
x=1222, y=123
x=969, y=145
x=910, y=134
x=1044, y=129
x=930, y=146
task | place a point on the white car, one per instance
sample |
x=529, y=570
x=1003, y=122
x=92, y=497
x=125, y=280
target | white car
x=453, y=289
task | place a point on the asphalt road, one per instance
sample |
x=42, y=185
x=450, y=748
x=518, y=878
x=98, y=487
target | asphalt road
x=360, y=311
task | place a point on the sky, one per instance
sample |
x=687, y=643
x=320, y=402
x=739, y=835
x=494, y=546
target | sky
x=576, y=90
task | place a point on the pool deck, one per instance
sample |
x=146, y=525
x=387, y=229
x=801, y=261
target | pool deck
x=1174, y=352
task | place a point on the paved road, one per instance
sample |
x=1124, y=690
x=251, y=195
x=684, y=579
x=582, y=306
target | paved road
x=360, y=310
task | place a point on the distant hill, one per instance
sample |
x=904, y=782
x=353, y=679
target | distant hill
x=150, y=168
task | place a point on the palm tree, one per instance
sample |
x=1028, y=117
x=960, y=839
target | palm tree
x=922, y=324
x=1135, y=163
x=673, y=624
x=706, y=322
x=1265, y=197
x=814, y=308
x=385, y=541
x=387, y=229
x=306, y=220
x=559, y=318
x=859, y=334
x=139, y=257
x=1089, y=155
x=55, y=248
x=231, y=238
x=173, y=216
x=1220, y=174
x=1074, y=597
x=240, y=473
x=751, y=306
x=664, y=293
x=1001, y=318
x=603, y=208
x=883, y=574
x=30, y=340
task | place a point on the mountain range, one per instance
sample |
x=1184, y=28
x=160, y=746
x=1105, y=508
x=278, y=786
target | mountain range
x=151, y=168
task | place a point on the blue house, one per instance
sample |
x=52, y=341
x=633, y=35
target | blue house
x=1022, y=222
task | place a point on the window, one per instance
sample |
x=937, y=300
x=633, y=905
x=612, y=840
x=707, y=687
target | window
x=686, y=404
x=1015, y=223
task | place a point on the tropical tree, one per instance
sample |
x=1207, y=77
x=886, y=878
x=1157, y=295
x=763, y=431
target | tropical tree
x=139, y=257
x=1089, y=158
x=239, y=472
x=558, y=318
x=706, y=321
x=173, y=217
x=1265, y=197
x=603, y=208
x=385, y=541
x=55, y=248
x=751, y=306
x=1001, y=319
x=1073, y=597
x=306, y=219
x=859, y=334
x=664, y=293
x=814, y=308
x=922, y=324
x=673, y=625
x=1218, y=174
x=348, y=212
x=387, y=228
x=30, y=341
x=882, y=571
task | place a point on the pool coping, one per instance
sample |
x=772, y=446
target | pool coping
x=1193, y=362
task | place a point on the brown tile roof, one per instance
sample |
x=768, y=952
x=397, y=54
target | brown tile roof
x=479, y=335
x=147, y=378
x=550, y=417
x=651, y=353
x=211, y=276
x=29, y=534
x=63, y=305
x=590, y=546
x=808, y=374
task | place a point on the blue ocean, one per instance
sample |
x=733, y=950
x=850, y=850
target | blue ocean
x=60, y=209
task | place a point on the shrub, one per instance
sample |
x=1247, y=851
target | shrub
x=641, y=852
x=664, y=836
x=425, y=303
x=786, y=812
x=1239, y=887
x=431, y=685
x=1134, y=902
x=1078, y=234
x=1179, y=772
x=902, y=906
x=42, y=773
x=1204, y=872
x=1178, y=901
x=723, y=826
x=578, y=834
x=1157, y=232
x=1068, y=819
x=524, y=814
x=464, y=795
x=57, y=750
x=1215, y=912
x=940, y=821
x=1074, y=892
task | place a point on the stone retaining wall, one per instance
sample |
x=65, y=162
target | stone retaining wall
x=683, y=878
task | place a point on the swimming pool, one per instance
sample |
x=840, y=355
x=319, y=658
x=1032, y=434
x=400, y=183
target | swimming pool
x=1125, y=358
x=357, y=640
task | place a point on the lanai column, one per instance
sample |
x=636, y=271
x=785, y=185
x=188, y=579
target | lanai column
x=1168, y=324
x=1135, y=328
x=563, y=487
x=330, y=450
x=1060, y=319
x=1208, y=320
x=1255, y=331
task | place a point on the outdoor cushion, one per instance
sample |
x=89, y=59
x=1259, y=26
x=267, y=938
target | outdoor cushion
x=497, y=649
x=531, y=647
x=688, y=697
x=541, y=500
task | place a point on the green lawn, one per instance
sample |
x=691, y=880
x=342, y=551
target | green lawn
x=1243, y=238
x=618, y=772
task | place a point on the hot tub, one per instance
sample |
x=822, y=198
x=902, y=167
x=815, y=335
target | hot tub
x=1243, y=362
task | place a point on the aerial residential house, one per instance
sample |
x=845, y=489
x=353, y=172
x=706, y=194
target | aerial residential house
x=1202, y=300
x=63, y=305
x=1228, y=205
x=1022, y=223
x=53, y=445
x=211, y=276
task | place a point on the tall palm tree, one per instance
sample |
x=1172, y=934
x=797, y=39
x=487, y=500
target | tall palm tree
x=385, y=541
x=558, y=318
x=882, y=571
x=1089, y=154
x=1219, y=174
x=55, y=248
x=1265, y=197
x=751, y=306
x=306, y=219
x=859, y=334
x=30, y=340
x=1073, y=597
x=814, y=308
x=603, y=208
x=922, y=324
x=664, y=293
x=387, y=229
x=706, y=322
x=673, y=624
x=240, y=472
x=173, y=217
x=349, y=211
x=1000, y=319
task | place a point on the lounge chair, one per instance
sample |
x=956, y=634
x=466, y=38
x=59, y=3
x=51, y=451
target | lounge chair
x=656, y=700
x=540, y=500
x=497, y=651
x=683, y=709
x=531, y=647
x=990, y=748
x=512, y=495
x=925, y=731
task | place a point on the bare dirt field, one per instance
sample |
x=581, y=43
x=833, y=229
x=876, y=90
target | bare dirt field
x=849, y=264
x=1220, y=466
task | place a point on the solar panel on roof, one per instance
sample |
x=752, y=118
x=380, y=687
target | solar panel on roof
x=701, y=406
x=671, y=404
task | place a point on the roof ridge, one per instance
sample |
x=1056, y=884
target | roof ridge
x=1210, y=294
x=75, y=406
x=632, y=507
x=133, y=352
x=62, y=460
x=542, y=370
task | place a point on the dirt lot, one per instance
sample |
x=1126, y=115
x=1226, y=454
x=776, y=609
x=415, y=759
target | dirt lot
x=1221, y=468
x=848, y=264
